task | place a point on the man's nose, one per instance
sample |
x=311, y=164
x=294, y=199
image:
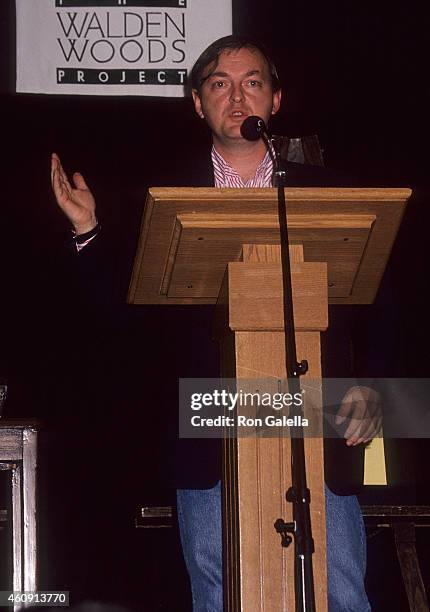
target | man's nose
x=237, y=94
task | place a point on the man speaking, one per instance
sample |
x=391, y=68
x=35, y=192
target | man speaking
x=235, y=78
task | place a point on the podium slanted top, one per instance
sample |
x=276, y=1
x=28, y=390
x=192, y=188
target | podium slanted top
x=189, y=235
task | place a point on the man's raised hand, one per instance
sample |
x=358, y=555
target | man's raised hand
x=77, y=203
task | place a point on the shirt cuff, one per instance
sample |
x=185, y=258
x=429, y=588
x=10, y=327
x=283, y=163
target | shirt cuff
x=81, y=240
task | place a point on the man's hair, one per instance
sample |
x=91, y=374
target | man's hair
x=230, y=43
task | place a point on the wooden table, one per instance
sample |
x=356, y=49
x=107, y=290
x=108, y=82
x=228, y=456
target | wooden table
x=18, y=452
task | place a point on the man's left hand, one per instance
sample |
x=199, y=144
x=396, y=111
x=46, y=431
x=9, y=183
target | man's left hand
x=362, y=407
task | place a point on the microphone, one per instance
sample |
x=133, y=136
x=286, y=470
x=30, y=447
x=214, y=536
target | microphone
x=253, y=128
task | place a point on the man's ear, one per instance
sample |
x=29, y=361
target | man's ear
x=197, y=103
x=277, y=95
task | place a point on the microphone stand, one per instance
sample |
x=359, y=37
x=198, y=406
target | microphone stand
x=298, y=494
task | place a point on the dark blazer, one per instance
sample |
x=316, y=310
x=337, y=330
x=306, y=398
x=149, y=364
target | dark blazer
x=100, y=277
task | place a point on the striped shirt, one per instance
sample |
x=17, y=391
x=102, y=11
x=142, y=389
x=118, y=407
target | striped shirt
x=225, y=176
x=81, y=245
x=82, y=241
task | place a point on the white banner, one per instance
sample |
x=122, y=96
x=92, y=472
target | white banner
x=114, y=47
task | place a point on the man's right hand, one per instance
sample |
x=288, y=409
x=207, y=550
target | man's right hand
x=76, y=202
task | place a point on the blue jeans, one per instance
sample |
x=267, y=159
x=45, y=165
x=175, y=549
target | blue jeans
x=199, y=516
x=346, y=554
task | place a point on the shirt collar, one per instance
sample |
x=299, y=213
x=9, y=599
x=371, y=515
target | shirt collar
x=226, y=176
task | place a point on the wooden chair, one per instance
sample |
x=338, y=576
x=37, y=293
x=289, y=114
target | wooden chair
x=403, y=520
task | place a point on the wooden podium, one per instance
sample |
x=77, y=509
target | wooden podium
x=206, y=246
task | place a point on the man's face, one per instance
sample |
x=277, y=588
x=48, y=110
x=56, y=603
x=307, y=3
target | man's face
x=239, y=86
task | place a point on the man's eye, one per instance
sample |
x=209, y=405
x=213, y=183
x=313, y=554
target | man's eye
x=254, y=83
x=219, y=84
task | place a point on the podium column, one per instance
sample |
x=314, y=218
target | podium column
x=258, y=571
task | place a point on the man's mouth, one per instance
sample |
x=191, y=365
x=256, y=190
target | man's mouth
x=238, y=113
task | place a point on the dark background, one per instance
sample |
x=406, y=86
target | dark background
x=354, y=73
